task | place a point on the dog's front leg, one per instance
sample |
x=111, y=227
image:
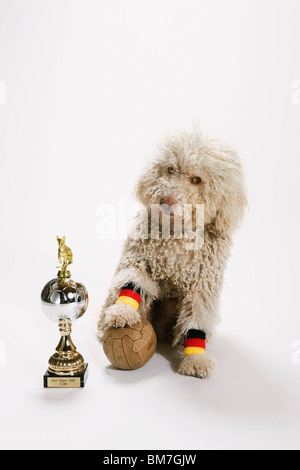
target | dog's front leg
x=195, y=325
x=125, y=309
x=129, y=300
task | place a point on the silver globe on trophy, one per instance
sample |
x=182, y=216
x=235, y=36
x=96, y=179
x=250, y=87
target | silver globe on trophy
x=64, y=301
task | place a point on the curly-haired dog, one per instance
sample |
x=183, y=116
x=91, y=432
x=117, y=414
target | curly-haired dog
x=179, y=283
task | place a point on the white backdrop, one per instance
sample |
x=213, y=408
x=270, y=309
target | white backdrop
x=86, y=89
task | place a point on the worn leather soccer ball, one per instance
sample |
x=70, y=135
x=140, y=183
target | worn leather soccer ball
x=130, y=347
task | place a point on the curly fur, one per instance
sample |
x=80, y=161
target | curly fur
x=181, y=288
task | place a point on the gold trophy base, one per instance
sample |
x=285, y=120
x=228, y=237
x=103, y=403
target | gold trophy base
x=66, y=367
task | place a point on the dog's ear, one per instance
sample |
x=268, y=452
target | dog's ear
x=231, y=209
x=140, y=188
x=145, y=182
x=230, y=188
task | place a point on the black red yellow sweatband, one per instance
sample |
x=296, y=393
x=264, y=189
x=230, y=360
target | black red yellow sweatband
x=194, y=342
x=130, y=295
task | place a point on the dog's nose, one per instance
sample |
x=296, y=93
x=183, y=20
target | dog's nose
x=168, y=200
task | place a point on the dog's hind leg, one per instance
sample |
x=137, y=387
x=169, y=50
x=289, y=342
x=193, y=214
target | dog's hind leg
x=163, y=319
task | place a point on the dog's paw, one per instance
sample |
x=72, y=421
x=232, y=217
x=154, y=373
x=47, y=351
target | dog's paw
x=120, y=315
x=198, y=365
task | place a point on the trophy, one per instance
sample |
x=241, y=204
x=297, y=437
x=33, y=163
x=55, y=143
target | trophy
x=63, y=301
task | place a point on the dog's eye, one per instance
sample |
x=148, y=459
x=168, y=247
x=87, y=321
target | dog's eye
x=196, y=180
x=171, y=170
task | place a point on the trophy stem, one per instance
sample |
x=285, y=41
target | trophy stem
x=66, y=360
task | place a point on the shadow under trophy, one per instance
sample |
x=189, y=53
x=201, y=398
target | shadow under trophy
x=64, y=301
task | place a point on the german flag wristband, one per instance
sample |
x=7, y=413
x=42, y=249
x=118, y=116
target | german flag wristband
x=194, y=342
x=130, y=295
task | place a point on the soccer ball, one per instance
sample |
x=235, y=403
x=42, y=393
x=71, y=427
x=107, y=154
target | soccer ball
x=130, y=347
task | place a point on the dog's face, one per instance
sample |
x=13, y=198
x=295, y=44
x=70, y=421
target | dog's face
x=191, y=169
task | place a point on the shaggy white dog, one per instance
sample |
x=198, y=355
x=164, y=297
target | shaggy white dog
x=180, y=283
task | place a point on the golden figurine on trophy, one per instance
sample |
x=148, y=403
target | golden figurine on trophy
x=64, y=301
x=65, y=256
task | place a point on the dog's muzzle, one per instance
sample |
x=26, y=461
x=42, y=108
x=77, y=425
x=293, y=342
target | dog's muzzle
x=169, y=204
